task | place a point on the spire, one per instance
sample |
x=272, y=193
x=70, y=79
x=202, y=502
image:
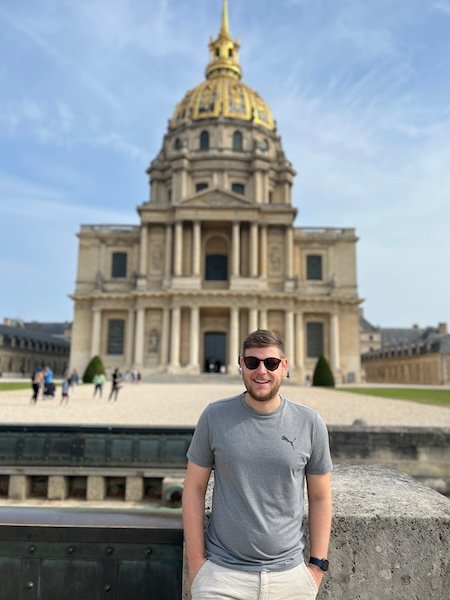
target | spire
x=224, y=52
x=225, y=28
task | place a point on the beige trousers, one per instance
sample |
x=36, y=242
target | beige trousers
x=214, y=582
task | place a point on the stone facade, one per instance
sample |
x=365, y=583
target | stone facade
x=216, y=253
x=410, y=356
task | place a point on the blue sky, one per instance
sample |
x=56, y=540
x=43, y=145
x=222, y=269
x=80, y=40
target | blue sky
x=360, y=90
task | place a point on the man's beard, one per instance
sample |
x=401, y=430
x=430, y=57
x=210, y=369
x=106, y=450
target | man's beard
x=265, y=396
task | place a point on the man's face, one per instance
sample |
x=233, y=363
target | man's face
x=261, y=383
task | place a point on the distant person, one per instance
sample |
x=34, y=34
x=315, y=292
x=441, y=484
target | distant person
x=99, y=381
x=116, y=381
x=36, y=381
x=49, y=386
x=74, y=378
x=65, y=392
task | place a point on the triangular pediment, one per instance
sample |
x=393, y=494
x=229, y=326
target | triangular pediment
x=215, y=197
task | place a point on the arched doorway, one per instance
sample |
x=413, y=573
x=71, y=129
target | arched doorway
x=215, y=352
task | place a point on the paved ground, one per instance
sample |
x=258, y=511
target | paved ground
x=180, y=403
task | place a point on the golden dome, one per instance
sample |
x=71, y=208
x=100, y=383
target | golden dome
x=223, y=94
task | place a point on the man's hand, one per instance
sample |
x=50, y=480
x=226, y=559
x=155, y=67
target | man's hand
x=194, y=568
x=316, y=573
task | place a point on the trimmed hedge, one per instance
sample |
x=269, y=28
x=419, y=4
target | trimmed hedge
x=323, y=375
x=95, y=366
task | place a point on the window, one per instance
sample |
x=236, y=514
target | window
x=314, y=267
x=119, y=264
x=314, y=339
x=216, y=267
x=237, y=141
x=204, y=140
x=116, y=336
x=238, y=188
x=178, y=145
x=201, y=186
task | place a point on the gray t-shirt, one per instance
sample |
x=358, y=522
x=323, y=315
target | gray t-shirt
x=259, y=462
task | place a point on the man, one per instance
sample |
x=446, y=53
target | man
x=262, y=447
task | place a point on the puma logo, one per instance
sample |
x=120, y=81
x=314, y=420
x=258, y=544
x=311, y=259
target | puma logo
x=285, y=439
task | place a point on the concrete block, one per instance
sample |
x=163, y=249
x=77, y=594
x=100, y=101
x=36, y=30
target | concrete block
x=134, y=489
x=390, y=537
x=96, y=488
x=19, y=487
x=58, y=487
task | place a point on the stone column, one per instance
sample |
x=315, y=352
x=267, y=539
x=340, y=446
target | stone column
x=175, y=337
x=143, y=251
x=233, y=350
x=289, y=253
x=253, y=319
x=263, y=252
x=254, y=258
x=178, y=249
x=236, y=245
x=258, y=187
x=139, y=337
x=96, y=331
x=263, y=319
x=130, y=338
x=196, y=250
x=334, y=343
x=289, y=336
x=168, y=253
x=299, y=343
x=165, y=336
x=194, y=339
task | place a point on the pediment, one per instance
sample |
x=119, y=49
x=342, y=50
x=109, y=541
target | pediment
x=216, y=198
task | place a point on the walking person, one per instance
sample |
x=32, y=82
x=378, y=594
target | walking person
x=99, y=380
x=65, y=391
x=263, y=449
x=36, y=382
x=116, y=380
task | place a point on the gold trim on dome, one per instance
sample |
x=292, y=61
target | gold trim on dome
x=223, y=94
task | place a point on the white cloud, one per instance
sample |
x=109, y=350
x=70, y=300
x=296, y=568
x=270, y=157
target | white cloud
x=443, y=6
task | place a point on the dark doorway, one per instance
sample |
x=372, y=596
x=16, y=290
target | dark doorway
x=215, y=355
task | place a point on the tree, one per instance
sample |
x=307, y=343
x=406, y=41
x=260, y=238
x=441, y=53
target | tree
x=323, y=375
x=95, y=366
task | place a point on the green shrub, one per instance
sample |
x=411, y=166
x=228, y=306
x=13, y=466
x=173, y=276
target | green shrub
x=323, y=375
x=95, y=366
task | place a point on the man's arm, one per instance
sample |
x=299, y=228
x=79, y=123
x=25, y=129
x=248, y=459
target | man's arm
x=320, y=512
x=195, y=485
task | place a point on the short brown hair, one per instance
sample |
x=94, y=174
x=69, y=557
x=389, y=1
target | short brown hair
x=263, y=338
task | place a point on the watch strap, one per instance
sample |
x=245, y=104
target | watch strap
x=322, y=563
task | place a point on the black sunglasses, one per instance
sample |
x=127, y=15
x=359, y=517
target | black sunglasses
x=252, y=363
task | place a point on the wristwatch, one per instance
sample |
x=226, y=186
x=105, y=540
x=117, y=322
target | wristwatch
x=322, y=563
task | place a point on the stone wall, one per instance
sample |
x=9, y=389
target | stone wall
x=420, y=452
x=390, y=538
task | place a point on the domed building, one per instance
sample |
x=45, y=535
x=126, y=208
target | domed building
x=216, y=254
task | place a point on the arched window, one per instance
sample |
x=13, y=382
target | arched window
x=204, y=140
x=178, y=144
x=237, y=141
